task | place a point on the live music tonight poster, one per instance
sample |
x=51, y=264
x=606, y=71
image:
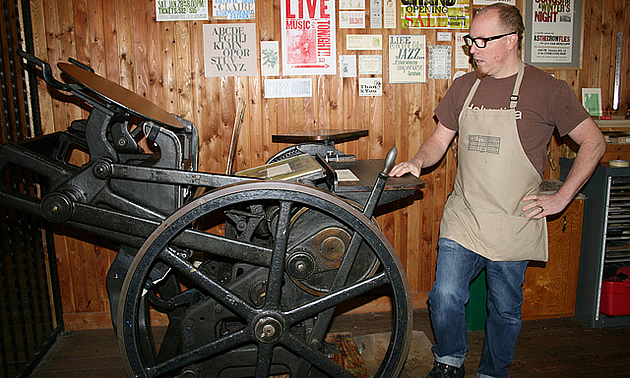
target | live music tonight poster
x=308, y=37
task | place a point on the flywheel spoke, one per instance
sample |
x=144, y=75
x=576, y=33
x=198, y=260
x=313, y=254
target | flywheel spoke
x=331, y=300
x=265, y=354
x=229, y=300
x=215, y=347
x=313, y=356
x=274, y=287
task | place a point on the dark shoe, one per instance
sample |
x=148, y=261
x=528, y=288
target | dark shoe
x=441, y=370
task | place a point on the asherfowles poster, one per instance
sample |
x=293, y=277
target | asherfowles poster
x=308, y=37
x=552, y=31
x=230, y=49
x=407, y=58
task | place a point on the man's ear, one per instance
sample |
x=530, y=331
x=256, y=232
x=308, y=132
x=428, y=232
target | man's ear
x=513, y=41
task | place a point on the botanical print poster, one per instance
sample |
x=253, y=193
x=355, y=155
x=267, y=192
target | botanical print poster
x=269, y=58
x=444, y=14
x=552, y=31
x=308, y=37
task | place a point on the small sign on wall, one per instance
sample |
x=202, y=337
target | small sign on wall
x=370, y=86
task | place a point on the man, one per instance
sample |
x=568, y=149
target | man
x=505, y=113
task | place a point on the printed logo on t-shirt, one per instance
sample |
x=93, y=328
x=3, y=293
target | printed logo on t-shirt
x=519, y=114
x=484, y=143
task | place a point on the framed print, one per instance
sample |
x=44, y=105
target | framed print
x=592, y=101
x=553, y=33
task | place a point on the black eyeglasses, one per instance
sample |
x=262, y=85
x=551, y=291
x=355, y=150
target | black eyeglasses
x=481, y=42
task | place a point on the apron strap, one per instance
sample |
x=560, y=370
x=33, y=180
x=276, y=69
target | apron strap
x=517, y=86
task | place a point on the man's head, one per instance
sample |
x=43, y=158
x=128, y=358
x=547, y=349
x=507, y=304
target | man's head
x=495, y=38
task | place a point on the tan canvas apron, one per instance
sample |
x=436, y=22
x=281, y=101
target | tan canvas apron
x=484, y=212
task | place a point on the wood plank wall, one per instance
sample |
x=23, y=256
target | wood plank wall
x=163, y=61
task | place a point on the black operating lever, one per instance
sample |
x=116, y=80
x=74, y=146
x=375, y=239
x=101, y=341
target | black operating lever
x=379, y=185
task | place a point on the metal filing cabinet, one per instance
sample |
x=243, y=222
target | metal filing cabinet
x=605, y=240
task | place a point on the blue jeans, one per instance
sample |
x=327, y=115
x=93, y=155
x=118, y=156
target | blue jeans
x=456, y=268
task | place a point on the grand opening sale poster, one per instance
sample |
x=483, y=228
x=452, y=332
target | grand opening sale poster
x=308, y=37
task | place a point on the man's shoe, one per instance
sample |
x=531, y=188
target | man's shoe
x=441, y=370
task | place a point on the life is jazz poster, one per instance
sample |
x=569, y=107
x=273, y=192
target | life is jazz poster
x=308, y=37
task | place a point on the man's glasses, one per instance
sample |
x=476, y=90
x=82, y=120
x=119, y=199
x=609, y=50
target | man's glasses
x=481, y=42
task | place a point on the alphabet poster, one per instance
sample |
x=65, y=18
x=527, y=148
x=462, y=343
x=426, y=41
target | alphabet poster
x=230, y=49
x=308, y=37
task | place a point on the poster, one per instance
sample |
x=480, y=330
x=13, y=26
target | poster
x=269, y=58
x=348, y=65
x=230, y=49
x=176, y=10
x=376, y=14
x=284, y=88
x=488, y=2
x=351, y=4
x=308, y=37
x=370, y=86
x=462, y=57
x=370, y=64
x=364, y=42
x=407, y=59
x=389, y=14
x=443, y=14
x=352, y=19
x=552, y=31
x=439, y=62
x=233, y=9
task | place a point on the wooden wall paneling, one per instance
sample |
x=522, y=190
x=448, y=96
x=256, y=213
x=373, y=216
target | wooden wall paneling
x=608, y=55
x=168, y=79
x=38, y=14
x=591, y=58
x=80, y=24
x=246, y=155
x=124, y=38
x=65, y=274
x=109, y=43
x=621, y=24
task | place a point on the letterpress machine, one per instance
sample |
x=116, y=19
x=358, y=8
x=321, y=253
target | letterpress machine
x=245, y=271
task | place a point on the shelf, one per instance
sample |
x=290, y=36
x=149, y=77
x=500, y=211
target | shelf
x=615, y=123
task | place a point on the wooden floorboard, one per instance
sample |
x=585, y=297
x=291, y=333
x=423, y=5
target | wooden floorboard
x=562, y=347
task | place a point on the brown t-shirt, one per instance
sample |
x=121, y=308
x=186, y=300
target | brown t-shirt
x=544, y=103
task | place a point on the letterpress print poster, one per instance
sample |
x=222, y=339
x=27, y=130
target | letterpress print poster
x=308, y=37
x=552, y=31
x=233, y=9
x=177, y=10
x=407, y=59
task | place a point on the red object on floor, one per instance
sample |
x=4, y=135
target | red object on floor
x=615, y=298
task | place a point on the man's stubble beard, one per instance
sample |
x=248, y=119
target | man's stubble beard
x=480, y=74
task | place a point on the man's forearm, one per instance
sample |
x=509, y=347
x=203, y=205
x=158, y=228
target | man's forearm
x=585, y=162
